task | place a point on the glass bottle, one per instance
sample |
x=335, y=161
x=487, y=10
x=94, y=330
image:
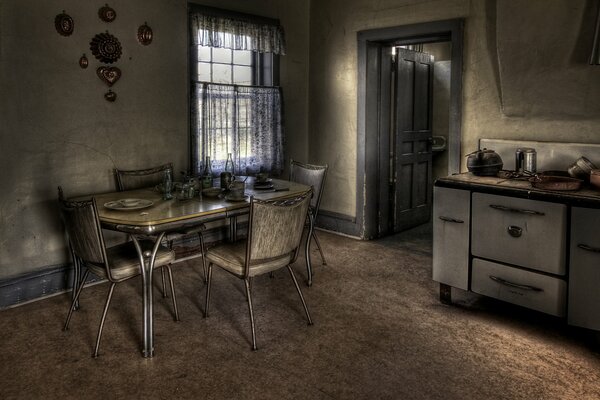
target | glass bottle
x=229, y=166
x=227, y=174
x=167, y=185
x=207, y=178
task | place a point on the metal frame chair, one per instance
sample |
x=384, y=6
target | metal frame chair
x=314, y=176
x=140, y=178
x=274, y=235
x=116, y=264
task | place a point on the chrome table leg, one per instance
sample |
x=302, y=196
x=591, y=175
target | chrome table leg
x=147, y=266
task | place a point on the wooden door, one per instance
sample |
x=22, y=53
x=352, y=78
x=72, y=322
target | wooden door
x=411, y=196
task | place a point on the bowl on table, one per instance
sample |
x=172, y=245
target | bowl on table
x=211, y=192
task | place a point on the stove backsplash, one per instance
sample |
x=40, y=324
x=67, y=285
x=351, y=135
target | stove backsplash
x=550, y=155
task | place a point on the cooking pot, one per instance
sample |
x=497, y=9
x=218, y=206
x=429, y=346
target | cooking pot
x=484, y=162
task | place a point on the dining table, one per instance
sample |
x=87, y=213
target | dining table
x=145, y=212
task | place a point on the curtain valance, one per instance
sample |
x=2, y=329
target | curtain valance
x=237, y=34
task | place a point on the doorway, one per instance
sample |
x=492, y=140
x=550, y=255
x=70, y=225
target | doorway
x=396, y=121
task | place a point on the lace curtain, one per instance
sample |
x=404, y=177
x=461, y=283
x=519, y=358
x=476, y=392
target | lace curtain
x=236, y=34
x=243, y=120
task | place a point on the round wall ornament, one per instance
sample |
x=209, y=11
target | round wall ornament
x=144, y=34
x=106, y=48
x=64, y=24
x=107, y=14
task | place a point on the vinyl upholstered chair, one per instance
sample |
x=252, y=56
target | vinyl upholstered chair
x=149, y=177
x=116, y=264
x=314, y=176
x=274, y=235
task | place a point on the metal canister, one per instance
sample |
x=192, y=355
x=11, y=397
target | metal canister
x=226, y=179
x=526, y=160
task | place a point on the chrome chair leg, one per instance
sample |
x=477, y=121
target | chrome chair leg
x=314, y=236
x=203, y=248
x=300, y=293
x=307, y=248
x=208, y=290
x=76, y=275
x=75, y=299
x=249, y=296
x=108, y=298
x=173, y=297
x=164, y=285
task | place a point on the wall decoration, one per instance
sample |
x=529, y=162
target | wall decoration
x=64, y=24
x=83, y=61
x=107, y=14
x=109, y=75
x=110, y=96
x=106, y=48
x=144, y=34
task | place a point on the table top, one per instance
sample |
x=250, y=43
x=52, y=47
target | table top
x=165, y=215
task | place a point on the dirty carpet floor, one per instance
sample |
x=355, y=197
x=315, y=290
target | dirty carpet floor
x=379, y=333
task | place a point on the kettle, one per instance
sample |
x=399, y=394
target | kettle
x=484, y=162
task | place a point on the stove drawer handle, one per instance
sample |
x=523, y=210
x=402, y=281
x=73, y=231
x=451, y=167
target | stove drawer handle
x=448, y=219
x=515, y=285
x=516, y=210
x=588, y=248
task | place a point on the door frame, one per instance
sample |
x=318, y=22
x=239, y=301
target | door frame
x=369, y=114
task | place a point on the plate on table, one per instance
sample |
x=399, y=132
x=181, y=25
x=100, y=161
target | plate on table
x=128, y=204
x=263, y=186
x=231, y=198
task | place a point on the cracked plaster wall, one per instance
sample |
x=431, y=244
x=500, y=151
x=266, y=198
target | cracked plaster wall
x=57, y=129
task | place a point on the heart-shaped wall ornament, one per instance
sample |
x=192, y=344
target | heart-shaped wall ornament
x=109, y=75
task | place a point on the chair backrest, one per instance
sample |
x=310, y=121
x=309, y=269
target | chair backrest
x=275, y=229
x=83, y=229
x=311, y=175
x=140, y=178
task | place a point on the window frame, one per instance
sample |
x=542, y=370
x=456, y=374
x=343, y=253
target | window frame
x=266, y=66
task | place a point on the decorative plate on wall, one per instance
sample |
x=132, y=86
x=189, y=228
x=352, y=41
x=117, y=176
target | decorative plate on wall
x=106, y=48
x=64, y=24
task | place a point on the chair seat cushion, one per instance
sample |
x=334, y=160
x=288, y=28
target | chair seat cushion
x=232, y=257
x=124, y=262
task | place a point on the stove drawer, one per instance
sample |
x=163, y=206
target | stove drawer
x=525, y=288
x=527, y=233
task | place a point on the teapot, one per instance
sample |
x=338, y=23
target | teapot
x=484, y=162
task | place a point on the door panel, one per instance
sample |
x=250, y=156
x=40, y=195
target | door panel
x=412, y=136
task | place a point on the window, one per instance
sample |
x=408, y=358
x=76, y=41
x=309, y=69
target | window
x=219, y=65
x=235, y=103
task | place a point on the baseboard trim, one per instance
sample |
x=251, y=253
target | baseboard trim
x=338, y=223
x=57, y=279
x=35, y=285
